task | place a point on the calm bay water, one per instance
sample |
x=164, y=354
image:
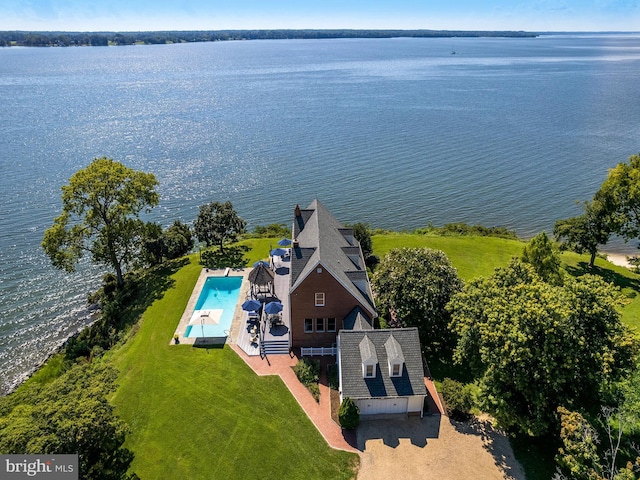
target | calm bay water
x=394, y=132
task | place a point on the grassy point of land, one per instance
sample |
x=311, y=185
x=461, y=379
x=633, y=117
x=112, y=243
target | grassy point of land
x=472, y=256
x=203, y=413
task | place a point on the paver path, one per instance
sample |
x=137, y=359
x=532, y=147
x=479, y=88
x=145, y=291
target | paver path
x=319, y=413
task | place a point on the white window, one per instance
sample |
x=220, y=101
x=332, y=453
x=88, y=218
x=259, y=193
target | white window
x=319, y=324
x=369, y=371
x=396, y=370
x=319, y=299
x=308, y=325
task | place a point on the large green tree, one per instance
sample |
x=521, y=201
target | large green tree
x=218, y=223
x=413, y=285
x=581, y=457
x=541, y=254
x=69, y=415
x=586, y=232
x=537, y=346
x=159, y=245
x=362, y=233
x=621, y=189
x=100, y=215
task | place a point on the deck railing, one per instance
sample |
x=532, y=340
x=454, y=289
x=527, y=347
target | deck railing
x=318, y=351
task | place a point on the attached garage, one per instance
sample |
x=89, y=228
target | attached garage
x=382, y=370
x=375, y=406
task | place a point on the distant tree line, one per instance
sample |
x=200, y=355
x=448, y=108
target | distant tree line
x=69, y=39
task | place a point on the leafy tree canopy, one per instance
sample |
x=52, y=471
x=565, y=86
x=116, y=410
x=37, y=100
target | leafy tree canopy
x=580, y=457
x=415, y=285
x=584, y=233
x=100, y=215
x=218, y=223
x=362, y=232
x=621, y=190
x=70, y=415
x=541, y=254
x=537, y=346
x=159, y=245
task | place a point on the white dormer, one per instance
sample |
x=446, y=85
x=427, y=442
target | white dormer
x=394, y=356
x=369, y=358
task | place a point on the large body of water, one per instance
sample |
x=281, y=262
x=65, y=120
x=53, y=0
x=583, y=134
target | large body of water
x=394, y=132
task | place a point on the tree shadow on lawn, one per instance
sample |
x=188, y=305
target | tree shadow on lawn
x=494, y=441
x=391, y=430
x=231, y=257
x=148, y=287
x=611, y=276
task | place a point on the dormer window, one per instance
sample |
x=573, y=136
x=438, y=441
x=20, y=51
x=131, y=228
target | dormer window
x=394, y=356
x=368, y=357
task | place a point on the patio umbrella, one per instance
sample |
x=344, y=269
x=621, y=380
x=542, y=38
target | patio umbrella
x=285, y=242
x=251, y=305
x=272, y=308
x=261, y=262
x=277, y=252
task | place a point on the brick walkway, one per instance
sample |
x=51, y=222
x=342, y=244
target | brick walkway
x=319, y=413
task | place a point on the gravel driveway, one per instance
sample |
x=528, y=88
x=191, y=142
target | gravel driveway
x=434, y=448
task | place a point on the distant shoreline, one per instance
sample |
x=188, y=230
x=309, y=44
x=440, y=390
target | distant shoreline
x=20, y=38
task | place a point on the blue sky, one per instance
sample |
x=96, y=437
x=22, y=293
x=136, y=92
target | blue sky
x=123, y=15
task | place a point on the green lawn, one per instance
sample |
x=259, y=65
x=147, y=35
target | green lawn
x=203, y=413
x=479, y=256
x=472, y=256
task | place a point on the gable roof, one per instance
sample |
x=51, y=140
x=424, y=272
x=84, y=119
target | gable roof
x=355, y=386
x=320, y=240
x=357, y=320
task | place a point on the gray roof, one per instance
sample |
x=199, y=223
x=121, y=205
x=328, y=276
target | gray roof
x=355, y=386
x=357, y=320
x=319, y=239
x=367, y=351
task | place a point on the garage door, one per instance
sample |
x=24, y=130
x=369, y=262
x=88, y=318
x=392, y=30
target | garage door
x=374, y=406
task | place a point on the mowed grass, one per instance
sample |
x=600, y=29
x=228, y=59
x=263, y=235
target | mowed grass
x=480, y=256
x=202, y=413
x=472, y=256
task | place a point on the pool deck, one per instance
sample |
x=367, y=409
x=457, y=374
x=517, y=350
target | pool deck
x=238, y=314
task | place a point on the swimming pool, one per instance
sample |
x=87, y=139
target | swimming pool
x=214, y=309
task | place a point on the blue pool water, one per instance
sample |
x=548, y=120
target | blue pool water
x=218, y=293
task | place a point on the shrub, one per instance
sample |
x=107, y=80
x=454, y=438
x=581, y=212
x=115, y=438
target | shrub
x=332, y=376
x=272, y=230
x=457, y=229
x=307, y=371
x=458, y=399
x=349, y=414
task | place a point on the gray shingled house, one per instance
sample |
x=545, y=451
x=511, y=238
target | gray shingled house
x=382, y=370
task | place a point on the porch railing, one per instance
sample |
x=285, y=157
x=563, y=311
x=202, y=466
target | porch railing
x=318, y=351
